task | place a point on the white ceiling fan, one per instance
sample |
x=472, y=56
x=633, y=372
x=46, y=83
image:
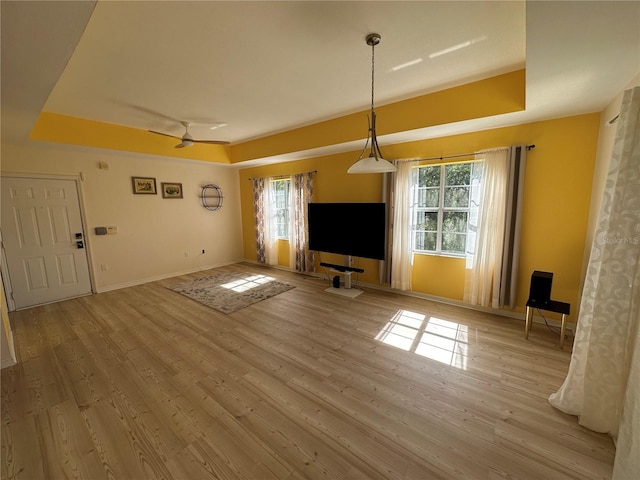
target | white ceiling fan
x=187, y=140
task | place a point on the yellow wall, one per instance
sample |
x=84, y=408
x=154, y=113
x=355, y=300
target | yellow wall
x=484, y=98
x=556, y=201
x=331, y=184
x=557, y=190
x=438, y=275
x=53, y=127
x=283, y=253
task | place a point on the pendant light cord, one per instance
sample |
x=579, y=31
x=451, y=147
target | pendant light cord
x=374, y=162
x=373, y=59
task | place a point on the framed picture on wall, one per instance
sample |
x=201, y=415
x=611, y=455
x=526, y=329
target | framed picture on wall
x=144, y=185
x=171, y=190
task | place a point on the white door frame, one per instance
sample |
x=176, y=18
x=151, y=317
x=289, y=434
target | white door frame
x=6, y=279
x=77, y=179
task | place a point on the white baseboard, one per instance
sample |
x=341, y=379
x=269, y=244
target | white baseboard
x=7, y=362
x=142, y=281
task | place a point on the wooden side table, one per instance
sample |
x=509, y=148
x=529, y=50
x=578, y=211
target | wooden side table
x=550, y=306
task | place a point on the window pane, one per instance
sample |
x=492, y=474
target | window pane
x=426, y=221
x=429, y=176
x=453, y=242
x=454, y=228
x=457, y=174
x=280, y=204
x=454, y=222
x=456, y=197
x=457, y=179
x=425, y=241
x=428, y=197
x=439, y=222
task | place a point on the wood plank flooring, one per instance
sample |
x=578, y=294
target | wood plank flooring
x=144, y=383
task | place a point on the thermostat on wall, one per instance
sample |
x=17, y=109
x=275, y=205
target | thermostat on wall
x=106, y=230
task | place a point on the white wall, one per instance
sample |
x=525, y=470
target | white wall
x=157, y=238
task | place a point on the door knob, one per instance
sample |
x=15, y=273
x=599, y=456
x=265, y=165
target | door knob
x=80, y=244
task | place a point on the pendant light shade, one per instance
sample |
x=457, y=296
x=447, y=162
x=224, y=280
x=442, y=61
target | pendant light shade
x=374, y=162
x=372, y=165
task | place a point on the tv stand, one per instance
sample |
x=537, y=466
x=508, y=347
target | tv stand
x=347, y=271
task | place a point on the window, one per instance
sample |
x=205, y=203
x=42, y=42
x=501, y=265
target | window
x=280, y=202
x=440, y=202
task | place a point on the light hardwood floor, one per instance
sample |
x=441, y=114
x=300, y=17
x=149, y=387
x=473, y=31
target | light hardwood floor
x=143, y=383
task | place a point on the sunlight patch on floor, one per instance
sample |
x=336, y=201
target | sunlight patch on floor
x=247, y=283
x=435, y=338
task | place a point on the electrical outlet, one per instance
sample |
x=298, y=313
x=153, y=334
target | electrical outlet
x=104, y=267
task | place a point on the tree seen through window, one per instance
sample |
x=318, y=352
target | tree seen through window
x=440, y=207
x=280, y=203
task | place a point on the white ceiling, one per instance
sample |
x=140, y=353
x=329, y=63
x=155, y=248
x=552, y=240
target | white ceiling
x=265, y=67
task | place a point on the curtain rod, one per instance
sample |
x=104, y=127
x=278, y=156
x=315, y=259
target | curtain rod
x=283, y=176
x=529, y=147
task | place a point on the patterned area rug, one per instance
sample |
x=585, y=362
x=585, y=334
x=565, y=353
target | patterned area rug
x=229, y=292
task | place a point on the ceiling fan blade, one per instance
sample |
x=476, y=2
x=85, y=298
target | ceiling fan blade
x=148, y=111
x=165, y=134
x=187, y=141
x=212, y=142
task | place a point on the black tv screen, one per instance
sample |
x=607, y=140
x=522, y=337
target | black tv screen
x=356, y=229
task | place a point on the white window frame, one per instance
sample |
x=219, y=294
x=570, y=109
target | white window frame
x=440, y=210
x=275, y=209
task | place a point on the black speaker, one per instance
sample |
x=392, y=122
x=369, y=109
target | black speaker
x=540, y=288
x=336, y=281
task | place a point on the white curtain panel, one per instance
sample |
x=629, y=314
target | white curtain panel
x=484, y=254
x=401, y=253
x=270, y=240
x=605, y=351
x=627, y=461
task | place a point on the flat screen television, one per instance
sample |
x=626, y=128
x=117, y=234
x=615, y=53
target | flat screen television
x=356, y=229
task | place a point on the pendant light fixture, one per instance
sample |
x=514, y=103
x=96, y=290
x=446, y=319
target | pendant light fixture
x=373, y=163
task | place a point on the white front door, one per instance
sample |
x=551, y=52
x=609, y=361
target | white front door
x=43, y=240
